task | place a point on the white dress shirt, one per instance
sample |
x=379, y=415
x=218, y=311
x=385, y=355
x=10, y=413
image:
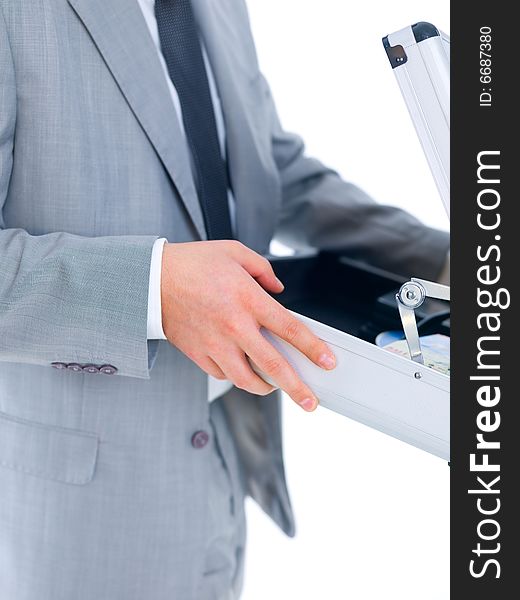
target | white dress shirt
x=154, y=323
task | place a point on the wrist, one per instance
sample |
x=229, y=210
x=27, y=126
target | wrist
x=166, y=299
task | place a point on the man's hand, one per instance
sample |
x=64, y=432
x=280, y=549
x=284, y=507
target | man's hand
x=214, y=301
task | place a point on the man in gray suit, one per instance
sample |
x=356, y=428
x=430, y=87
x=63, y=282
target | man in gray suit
x=124, y=123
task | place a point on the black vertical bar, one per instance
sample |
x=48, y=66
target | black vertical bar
x=484, y=119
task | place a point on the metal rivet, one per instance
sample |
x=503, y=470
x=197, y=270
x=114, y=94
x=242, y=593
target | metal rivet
x=417, y=375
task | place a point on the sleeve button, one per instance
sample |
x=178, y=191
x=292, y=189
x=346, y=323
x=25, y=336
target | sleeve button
x=74, y=367
x=59, y=365
x=107, y=370
x=90, y=369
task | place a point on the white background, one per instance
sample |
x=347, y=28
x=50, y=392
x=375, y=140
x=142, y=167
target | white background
x=372, y=513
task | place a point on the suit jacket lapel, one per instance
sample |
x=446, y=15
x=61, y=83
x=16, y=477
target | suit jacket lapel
x=122, y=37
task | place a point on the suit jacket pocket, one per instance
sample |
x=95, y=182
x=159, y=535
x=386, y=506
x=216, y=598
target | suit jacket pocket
x=56, y=453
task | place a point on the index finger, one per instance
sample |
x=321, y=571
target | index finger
x=285, y=325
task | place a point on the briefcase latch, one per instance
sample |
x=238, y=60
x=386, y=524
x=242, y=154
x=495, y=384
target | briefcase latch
x=412, y=295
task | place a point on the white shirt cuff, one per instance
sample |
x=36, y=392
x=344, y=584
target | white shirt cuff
x=154, y=323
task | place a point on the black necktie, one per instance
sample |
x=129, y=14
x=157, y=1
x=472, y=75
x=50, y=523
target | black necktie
x=182, y=52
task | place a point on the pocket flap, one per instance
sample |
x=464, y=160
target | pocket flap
x=57, y=453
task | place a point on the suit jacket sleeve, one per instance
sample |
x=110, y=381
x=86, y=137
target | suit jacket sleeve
x=67, y=298
x=321, y=210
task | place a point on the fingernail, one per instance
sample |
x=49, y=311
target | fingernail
x=309, y=404
x=280, y=283
x=327, y=361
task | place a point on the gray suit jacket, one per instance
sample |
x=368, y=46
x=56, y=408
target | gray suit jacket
x=97, y=470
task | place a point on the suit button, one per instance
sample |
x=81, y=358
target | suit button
x=108, y=370
x=74, y=367
x=59, y=365
x=199, y=439
x=90, y=369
